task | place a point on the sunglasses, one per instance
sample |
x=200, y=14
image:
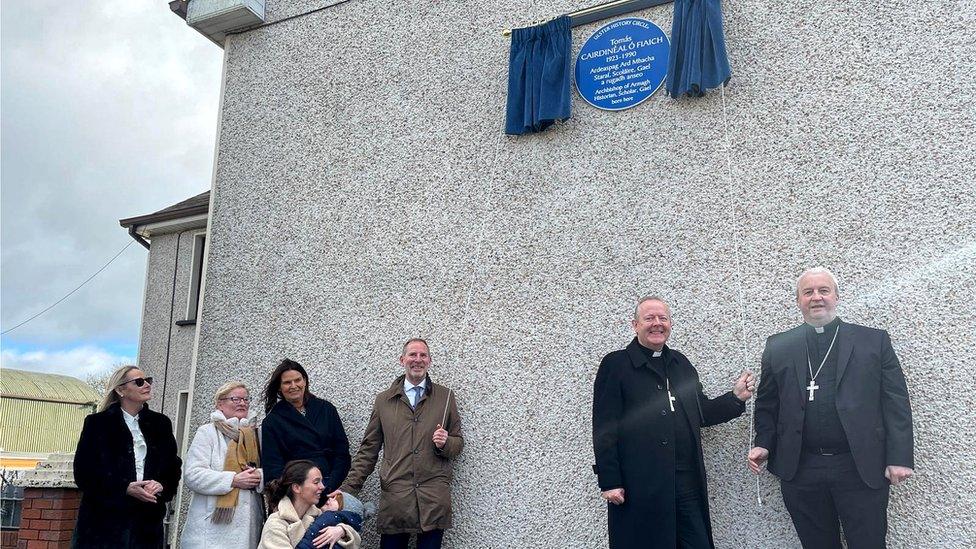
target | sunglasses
x=139, y=381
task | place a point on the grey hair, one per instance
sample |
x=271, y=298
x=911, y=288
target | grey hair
x=117, y=378
x=818, y=270
x=403, y=352
x=650, y=297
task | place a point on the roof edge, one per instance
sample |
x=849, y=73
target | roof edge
x=164, y=216
x=193, y=206
x=17, y=396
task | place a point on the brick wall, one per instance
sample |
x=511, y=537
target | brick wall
x=48, y=518
x=8, y=539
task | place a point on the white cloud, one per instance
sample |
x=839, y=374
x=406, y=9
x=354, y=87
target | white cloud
x=109, y=111
x=78, y=362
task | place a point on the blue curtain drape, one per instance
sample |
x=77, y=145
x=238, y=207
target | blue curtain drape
x=539, y=69
x=698, y=61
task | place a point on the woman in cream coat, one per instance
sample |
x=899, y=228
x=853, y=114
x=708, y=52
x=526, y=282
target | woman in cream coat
x=294, y=499
x=226, y=510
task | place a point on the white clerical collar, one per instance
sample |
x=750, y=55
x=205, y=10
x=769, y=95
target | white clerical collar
x=820, y=329
x=407, y=386
x=656, y=354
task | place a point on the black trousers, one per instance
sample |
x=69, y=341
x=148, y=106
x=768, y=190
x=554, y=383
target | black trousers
x=425, y=540
x=828, y=489
x=689, y=504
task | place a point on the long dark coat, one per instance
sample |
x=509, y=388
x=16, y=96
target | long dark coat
x=105, y=465
x=317, y=436
x=633, y=440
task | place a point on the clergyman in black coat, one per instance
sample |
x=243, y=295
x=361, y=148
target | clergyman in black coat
x=118, y=510
x=648, y=411
x=834, y=421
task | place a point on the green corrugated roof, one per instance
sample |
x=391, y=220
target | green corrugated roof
x=48, y=387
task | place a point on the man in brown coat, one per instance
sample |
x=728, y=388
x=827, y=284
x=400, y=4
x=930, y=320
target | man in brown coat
x=416, y=424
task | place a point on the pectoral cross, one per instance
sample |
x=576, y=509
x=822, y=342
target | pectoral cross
x=812, y=387
x=671, y=400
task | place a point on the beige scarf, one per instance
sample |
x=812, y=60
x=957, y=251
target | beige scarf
x=242, y=452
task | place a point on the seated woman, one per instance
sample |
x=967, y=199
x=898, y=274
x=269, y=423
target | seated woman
x=344, y=508
x=299, y=425
x=293, y=499
x=222, y=472
x=126, y=466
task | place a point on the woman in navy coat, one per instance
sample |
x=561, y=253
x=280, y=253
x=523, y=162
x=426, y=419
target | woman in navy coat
x=300, y=425
x=127, y=468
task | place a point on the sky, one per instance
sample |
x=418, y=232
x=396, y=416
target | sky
x=108, y=110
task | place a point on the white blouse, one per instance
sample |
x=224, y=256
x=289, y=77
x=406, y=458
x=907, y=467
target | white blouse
x=138, y=442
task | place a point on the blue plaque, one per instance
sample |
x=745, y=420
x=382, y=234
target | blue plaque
x=622, y=64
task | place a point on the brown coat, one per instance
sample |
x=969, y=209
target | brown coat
x=415, y=476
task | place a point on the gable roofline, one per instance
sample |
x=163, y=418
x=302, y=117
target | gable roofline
x=194, y=206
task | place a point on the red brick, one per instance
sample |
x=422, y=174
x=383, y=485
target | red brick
x=39, y=524
x=55, y=514
x=62, y=503
x=68, y=523
x=70, y=503
x=27, y=534
x=31, y=514
x=43, y=504
x=63, y=525
x=56, y=536
x=36, y=544
x=30, y=493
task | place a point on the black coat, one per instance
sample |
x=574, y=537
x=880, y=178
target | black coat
x=871, y=400
x=105, y=465
x=633, y=440
x=317, y=436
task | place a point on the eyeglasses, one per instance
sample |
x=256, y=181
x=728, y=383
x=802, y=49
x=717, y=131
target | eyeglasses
x=139, y=381
x=236, y=400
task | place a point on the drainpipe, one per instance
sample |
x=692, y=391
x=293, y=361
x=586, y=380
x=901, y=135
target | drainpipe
x=169, y=333
x=138, y=238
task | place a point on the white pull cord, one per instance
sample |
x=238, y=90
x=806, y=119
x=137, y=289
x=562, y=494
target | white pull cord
x=733, y=196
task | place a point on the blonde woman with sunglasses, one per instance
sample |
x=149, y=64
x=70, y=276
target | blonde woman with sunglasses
x=126, y=466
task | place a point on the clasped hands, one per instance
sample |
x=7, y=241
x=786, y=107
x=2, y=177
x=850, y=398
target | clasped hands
x=144, y=490
x=248, y=479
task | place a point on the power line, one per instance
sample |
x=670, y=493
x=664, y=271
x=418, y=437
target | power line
x=87, y=280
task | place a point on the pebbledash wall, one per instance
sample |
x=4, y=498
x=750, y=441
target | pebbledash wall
x=364, y=193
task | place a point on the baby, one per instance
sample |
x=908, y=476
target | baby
x=344, y=510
